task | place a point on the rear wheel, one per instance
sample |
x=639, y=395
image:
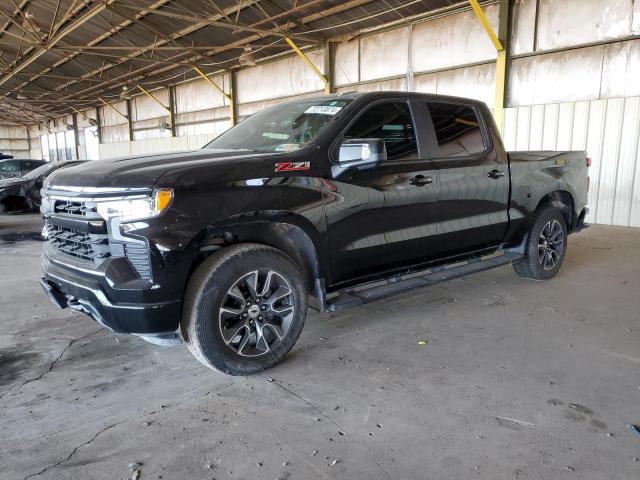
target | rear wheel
x=244, y=309
x=546, y=246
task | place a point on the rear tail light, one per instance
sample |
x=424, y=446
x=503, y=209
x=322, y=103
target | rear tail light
x=588, y=162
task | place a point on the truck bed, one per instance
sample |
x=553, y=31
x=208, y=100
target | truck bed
x=558, y=157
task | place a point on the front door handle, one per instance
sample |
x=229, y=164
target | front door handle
x=495, y=174
x=420, y=180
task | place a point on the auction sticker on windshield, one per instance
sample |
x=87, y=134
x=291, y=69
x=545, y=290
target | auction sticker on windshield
x=287, y=147
x=323, y=109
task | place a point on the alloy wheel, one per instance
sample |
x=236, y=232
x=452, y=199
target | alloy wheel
x=256, y=313
x=550, y=244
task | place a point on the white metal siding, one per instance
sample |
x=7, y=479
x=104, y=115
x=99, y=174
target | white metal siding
x=14, y=141
x=573, y=84
x=609, y=130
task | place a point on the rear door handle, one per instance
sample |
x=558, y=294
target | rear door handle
x=495, y=174
x=420, y=180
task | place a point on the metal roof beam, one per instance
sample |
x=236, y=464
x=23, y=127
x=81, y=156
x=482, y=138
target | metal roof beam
x=102, y=37
x=173, y=36
x=190, y=54
x=11, y=115
x=59, y=36
x=82, y=48
x=312, y=17
x=22, y=5
x=248, y=40
x=24, y=30
x=231, y=26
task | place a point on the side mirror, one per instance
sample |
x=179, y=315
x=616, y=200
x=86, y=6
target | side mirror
x=362, y=151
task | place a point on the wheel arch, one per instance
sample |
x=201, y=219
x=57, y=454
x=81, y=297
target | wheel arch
x=290, y=233
x=563, y=201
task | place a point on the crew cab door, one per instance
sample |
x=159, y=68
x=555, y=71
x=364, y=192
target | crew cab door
x=473, y=180
x=381, y=214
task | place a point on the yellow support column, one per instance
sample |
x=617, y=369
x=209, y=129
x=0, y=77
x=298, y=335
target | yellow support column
x=486, y=25
x=501, y=80
x=127, y=117
x=107, y=104
x=155, y=99
x=305, y=59
x=232, y=110
x=80, y=113
x=501, y=58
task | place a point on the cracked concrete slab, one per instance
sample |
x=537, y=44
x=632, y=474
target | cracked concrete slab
x=474, y=378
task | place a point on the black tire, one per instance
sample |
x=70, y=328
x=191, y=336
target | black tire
x=542, y=260
x=205, y=317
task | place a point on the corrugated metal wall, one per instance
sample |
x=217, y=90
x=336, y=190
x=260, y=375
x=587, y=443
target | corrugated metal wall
x=155, y=145
x=584, y=53
x=14, y=140
x=609, y=130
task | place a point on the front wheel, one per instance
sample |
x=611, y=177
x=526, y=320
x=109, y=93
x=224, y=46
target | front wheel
x=546, y=246
x=244, y=309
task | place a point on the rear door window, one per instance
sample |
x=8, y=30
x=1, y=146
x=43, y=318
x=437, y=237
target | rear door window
x=457, y=130
x=392, y=123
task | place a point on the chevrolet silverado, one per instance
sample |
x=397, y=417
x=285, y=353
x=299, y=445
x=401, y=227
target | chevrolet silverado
x=325, y=202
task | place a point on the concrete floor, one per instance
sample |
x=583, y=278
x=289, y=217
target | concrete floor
x=518, y=379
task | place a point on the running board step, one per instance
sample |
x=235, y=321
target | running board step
x=371, y=292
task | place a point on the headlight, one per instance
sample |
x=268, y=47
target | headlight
x=136, y=207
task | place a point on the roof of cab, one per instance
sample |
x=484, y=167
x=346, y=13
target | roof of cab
x=390, y=93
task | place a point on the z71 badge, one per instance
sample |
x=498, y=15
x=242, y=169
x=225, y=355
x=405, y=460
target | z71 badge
x=292, y=166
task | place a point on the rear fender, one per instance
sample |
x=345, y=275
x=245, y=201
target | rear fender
x=561, y=200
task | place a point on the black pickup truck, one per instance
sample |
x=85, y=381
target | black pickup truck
x=325, y=202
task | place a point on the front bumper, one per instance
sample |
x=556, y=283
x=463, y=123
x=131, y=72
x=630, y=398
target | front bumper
x=112, y=295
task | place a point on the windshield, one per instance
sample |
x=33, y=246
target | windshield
x=35, y=173
x=282, y=128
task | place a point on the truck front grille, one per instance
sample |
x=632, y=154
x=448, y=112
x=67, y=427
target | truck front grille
x=76, y=207
x=85, y=246
x=91, y=248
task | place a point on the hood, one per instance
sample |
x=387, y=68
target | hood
x=145, y=171
x=11, y=182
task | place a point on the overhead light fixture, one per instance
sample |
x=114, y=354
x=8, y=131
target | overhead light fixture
x=29, y=23
x=125, y=93
x=164, y=126
x=247, y=59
